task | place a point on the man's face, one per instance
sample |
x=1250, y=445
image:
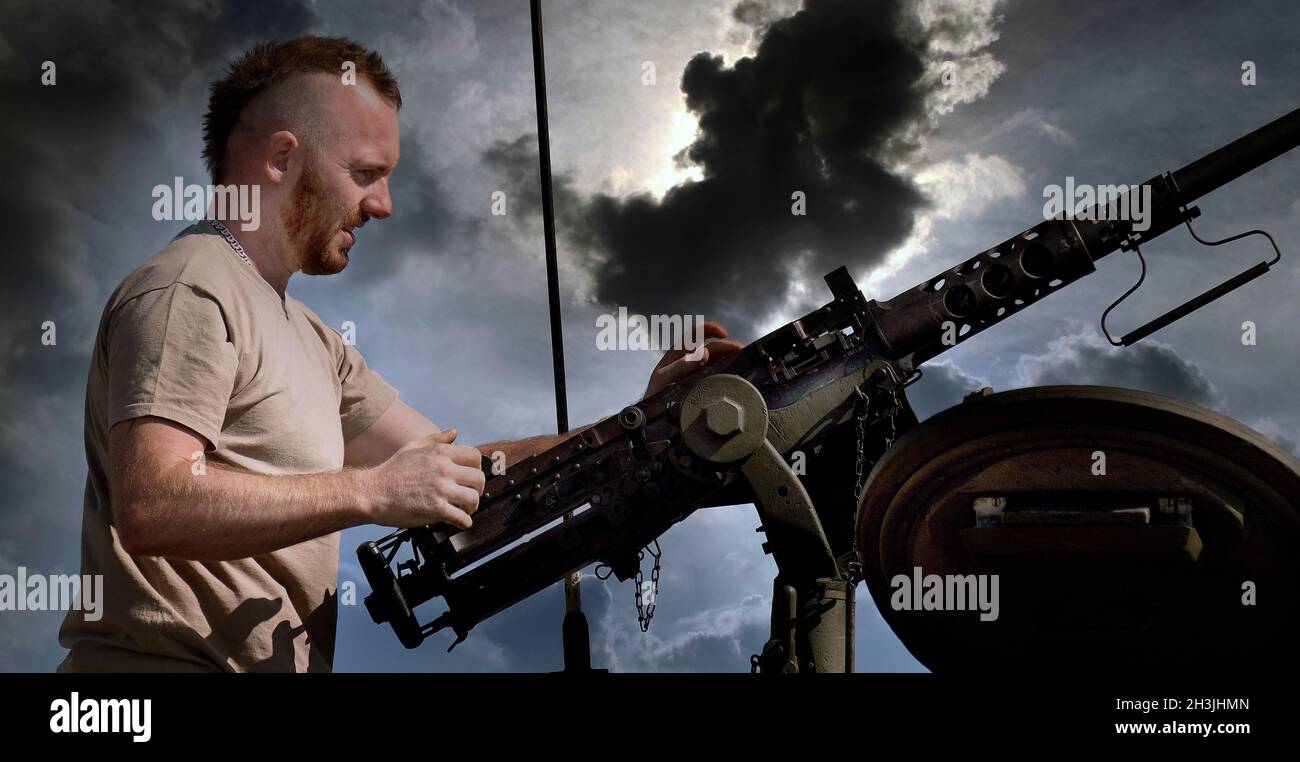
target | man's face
x=344, y=180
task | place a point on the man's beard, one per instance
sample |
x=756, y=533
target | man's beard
x=312, y=224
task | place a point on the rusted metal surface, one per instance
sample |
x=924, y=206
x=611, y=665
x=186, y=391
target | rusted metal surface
x=1078, y=590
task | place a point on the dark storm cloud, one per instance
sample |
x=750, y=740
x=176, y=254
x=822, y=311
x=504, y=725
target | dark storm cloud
x=832, y=96
x=1084, y=358
x=515, y=164
x=65, y=150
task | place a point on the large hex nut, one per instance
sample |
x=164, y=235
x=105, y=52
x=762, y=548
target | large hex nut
x=724, y=417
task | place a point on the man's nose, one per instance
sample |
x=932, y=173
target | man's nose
x=378, y=203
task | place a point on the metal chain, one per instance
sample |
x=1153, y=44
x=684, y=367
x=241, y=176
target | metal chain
x=863, y=405
x=645, y=613
x=855, y=573
x=894, y=407
x=859, y=466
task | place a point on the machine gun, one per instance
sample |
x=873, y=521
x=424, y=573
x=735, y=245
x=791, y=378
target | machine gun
x=726, y=435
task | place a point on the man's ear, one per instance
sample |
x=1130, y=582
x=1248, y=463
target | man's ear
x=283, y=145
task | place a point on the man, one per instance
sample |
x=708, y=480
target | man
x=230, y=434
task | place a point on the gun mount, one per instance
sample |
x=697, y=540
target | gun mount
x=724, y=436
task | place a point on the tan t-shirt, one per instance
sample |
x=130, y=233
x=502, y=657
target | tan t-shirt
x=196, y=336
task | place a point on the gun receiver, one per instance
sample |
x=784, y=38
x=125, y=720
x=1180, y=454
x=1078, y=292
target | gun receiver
x=724, y=436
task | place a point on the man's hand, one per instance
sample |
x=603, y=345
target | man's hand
x=677, y=364
x=429, y=481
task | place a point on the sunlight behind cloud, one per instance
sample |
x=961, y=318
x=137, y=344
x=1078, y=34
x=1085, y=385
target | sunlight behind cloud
x=681, y=134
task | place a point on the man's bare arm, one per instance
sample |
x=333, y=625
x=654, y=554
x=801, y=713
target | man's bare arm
x=674, y=366
x=402, y=423
x=164, y=506
x=399, y=425
x=521, y=449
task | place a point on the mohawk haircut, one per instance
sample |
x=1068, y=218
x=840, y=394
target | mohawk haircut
x=269, y=63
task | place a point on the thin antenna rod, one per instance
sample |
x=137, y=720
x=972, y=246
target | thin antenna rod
x=577, y=642
x=548, y=222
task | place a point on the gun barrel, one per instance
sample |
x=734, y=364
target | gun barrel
x=958, y=303
x=1235, y=159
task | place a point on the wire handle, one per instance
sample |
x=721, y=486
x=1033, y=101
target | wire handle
x=1181, y=311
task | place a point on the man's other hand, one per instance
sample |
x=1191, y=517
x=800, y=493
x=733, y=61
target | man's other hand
x=677, y=364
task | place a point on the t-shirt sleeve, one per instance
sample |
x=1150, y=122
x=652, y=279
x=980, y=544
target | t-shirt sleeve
x=170, y=356
x=366, y=395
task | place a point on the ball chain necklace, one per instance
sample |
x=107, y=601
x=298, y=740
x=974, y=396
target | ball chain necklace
x=230, y=239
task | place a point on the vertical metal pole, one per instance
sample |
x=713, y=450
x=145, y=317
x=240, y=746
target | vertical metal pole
x=577, y=644
x=851, y=628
